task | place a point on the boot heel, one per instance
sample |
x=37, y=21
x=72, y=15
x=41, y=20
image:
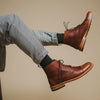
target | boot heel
x=82, y=43
x=85, y=35
x=56, y=87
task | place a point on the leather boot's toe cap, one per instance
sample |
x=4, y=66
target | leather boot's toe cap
x=87, y=66
x=89, y=15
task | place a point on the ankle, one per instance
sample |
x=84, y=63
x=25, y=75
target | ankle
x=46, y=61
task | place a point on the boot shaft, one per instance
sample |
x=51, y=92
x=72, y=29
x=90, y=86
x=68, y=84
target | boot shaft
x=76, y=37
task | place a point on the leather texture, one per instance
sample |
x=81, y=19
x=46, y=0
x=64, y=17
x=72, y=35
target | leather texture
x=73, y=37
x=57, y=72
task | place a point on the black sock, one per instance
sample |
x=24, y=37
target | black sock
x=60, y=37
x=46, y=61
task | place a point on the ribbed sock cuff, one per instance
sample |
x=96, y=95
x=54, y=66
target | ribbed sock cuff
x=60, y=37
x=46, y=61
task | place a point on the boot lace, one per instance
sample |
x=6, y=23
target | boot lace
x=66, y=25
x=60, y=69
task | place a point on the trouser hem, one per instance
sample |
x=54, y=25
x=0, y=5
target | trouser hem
x=41, y=56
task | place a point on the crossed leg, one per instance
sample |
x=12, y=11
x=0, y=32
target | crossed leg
x=13, y=30
x=22, y=36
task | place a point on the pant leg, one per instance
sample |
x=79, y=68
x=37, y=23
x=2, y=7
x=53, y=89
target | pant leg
x=45, y=37
x=22, y=36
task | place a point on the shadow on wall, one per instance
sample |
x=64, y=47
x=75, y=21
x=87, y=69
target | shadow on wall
x=0, y=91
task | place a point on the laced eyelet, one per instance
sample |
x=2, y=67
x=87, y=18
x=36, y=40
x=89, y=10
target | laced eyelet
x=61, y=61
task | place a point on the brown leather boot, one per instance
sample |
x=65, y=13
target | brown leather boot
x=58, y=74
x=76, y=37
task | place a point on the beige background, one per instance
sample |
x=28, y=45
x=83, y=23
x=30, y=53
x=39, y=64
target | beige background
x=23, y=80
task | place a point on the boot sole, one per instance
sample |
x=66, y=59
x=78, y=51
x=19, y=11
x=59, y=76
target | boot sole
x=85, y=35
x=60, y=85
